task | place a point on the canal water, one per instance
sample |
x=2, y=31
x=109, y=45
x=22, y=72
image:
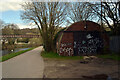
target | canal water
x=4, y=52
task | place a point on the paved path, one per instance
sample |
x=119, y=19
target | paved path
x=27, y=65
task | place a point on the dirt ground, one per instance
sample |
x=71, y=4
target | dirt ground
x=55, y=68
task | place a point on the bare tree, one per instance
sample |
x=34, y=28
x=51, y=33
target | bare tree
x=9, y=29
x=110, y=13
x=48, y=16
x=2, y=24
x=80, y=11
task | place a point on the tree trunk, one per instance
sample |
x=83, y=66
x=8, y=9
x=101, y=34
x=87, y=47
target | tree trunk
x=48, y=43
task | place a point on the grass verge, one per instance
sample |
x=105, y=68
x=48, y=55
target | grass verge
x=112, y=56
x=45, y=54
x=11, y=55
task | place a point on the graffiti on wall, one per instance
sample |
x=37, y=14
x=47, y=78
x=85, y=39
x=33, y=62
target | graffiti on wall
x=65, y=49
x=83, y=43
x=89, y=46
x=87, y=43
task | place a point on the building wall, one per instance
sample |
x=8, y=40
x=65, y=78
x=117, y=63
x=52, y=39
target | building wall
x=67, y=42
x=66, y=45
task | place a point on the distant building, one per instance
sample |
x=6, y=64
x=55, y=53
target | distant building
x=81, y=38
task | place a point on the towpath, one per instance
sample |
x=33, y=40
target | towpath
x=27, y=65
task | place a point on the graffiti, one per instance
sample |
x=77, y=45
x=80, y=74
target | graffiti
x=83, y=43
x=88, y=43
x=64, y=49
x=65, y=44
x=69, y=51
x=89, y=36
x=87, y=49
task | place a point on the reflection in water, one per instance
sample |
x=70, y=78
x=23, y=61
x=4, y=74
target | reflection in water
x=4, y=52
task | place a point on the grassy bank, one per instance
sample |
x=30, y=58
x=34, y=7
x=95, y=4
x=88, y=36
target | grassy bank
x=11, y=55
x=10, y=47
x=45, y=54
x=113, y=56
x=51, y=55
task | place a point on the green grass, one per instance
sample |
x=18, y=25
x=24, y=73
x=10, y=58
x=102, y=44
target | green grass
x=112, y=56
x=11, y=55
x=53, y=55
x=56, y=56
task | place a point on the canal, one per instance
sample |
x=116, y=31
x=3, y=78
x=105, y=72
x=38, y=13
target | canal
x=4, y=52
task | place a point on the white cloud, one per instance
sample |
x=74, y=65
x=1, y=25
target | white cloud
x=9, y=6
x=28, y=25
x=21, y=26
x=6, y=5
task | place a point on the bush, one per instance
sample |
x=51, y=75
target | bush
x=106, y=50
x=25, y=40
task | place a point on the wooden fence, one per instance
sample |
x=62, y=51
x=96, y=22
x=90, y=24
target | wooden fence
x=115, y=43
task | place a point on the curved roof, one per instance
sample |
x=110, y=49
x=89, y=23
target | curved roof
x=80, y=26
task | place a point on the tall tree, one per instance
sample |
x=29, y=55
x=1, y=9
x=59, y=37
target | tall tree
x=109, y=13
x=80, y=11
x=9, y=30
x=48, y=16
x=2, y=24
